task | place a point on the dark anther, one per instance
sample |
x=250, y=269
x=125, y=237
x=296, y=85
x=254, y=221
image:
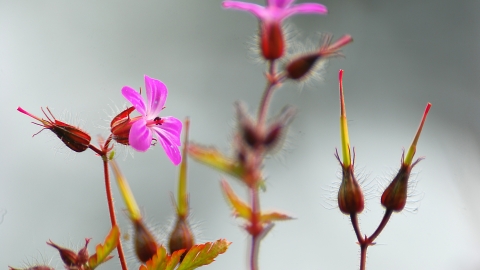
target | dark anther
x=158, y=120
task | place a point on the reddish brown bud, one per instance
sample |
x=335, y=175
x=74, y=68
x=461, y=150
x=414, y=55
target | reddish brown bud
x=350, y=195
x=276, y=130
x=73, y=137
x=181, y=237
x=301, y=66
x=121, y=125
x=68, y=256
x=272, y=43
x=144, y=242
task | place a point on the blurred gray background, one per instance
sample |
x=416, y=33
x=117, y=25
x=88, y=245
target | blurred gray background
x=75, y=56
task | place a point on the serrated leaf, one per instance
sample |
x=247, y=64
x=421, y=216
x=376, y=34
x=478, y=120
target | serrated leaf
x=212, y=157
x=240, y=208
x=274, y=216
x=163, y=261
x=103, y=250
x=203, y=254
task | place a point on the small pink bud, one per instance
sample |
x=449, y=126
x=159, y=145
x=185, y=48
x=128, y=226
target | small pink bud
x=73, y=137
x=68, y=256
x=272, y=42
x=144, y=242
x=181, y=237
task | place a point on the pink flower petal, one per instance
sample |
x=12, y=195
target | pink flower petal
x=280, y=3
x=156, y=96
x=255, y=9
x=135, y=99
x=306, y=8
x=170, y=148
x=140, y=137
x=170, y=128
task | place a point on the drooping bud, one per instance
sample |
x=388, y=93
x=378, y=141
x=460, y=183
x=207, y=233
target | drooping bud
x=350, y=195
x=69, y=257
x=144, y=242
x=181, y=237
x=395, y=195
x=73, y=137
x=299, y=67
x=272, y=42
x=121, y=125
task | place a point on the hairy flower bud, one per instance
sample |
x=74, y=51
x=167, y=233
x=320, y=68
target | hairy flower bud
x=144, y=242
x=73, y=137
x=69, y=257
x=301, y=66
x=272, y=43
x=181, y=237
x=121, y=125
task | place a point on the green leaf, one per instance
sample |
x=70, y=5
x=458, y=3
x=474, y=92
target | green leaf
x=203, y=254
x=274, y=216
x=102, y=251
x=240, y=208
x=212, y=157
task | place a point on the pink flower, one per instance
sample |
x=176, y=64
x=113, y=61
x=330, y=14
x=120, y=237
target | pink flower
x=272, y=43
x=167, y=129
x=277, y=10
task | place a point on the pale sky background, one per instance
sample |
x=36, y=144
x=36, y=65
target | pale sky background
x=75, y=56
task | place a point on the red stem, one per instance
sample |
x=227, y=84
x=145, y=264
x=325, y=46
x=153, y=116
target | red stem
x=103, y=153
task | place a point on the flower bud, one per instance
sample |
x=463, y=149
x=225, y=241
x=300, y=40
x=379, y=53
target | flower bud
x=277, y=129
x=303, y=65
x=121, y=125
x=144, y=242
x=181, y=237
x=73, y=137
x=68, y=256
x=272, y=42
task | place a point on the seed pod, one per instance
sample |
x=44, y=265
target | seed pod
x=181, y=237
x=301, y=66
x=350, y=195
x=144, y=242
x=83, y=253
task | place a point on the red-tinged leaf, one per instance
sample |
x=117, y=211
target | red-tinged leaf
x=274, y=216
x=240, y=208
x=203, y=254
x=163, y=261
x=174, y=259
x=103, y=250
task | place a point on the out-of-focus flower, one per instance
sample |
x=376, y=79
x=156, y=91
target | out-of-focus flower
x=167, y=129
x=73, y=137
x=272, y=42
